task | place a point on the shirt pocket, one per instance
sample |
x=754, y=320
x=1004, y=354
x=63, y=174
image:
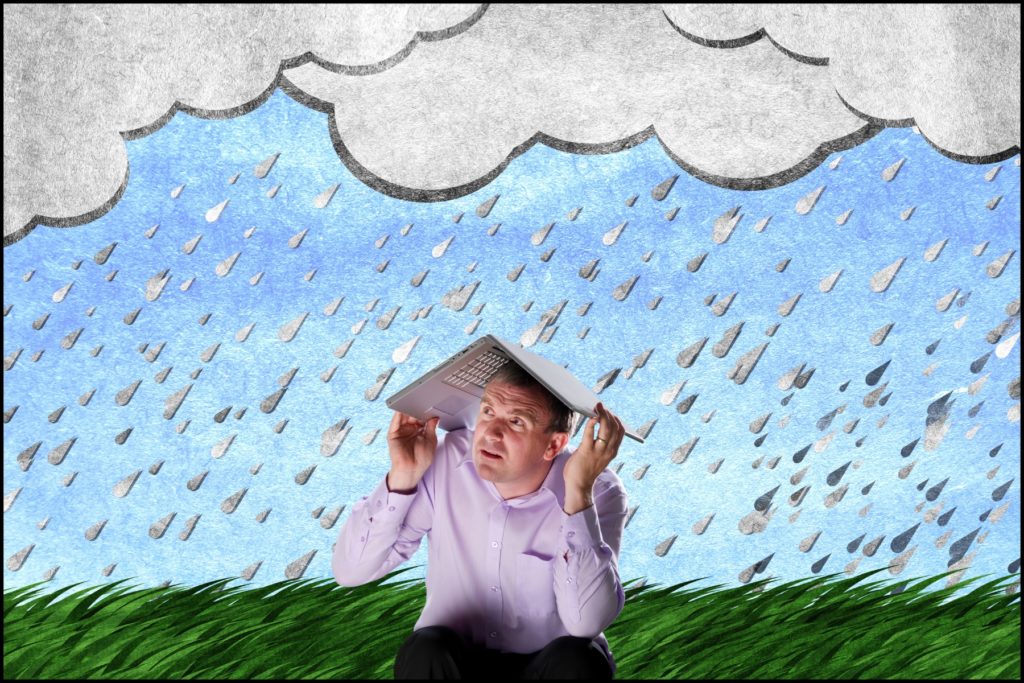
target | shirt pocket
x=535, y=585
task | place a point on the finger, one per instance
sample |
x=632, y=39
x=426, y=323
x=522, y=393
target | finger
x=620, y=431
x=604, y=432
x=396, y=423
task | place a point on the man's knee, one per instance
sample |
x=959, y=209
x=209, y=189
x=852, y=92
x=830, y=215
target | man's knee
x=431, y=652
x=570, y=657
x=432, y=637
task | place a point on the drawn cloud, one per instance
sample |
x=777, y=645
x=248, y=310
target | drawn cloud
x=431, y=102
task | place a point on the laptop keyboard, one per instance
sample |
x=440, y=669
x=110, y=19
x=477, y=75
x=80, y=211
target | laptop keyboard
x=478, y=372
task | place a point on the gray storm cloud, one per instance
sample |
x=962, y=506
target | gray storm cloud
x=432, y=101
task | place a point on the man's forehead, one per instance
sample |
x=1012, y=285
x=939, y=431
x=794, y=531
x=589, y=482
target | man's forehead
x=513, y=398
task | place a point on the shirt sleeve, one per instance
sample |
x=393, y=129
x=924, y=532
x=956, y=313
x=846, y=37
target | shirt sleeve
x=384, y=530
x=588, y=590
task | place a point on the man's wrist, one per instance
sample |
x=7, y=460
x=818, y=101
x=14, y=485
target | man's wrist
x=401, y=483
x=577, y=498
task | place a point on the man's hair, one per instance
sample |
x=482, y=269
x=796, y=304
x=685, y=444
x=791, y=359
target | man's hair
x=512, y=373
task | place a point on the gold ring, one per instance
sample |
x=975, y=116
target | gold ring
x=600, y=439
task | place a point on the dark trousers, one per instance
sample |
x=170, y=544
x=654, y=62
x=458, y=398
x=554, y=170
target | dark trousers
x=439, y=652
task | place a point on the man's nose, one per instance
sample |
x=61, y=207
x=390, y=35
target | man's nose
x=493, y=430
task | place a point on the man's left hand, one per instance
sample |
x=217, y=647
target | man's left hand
x=591, y=458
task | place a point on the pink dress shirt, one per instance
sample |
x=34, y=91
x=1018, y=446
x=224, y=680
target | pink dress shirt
x=496, y=571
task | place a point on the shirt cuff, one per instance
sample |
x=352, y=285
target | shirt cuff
x=387, y=508
x=582, y=529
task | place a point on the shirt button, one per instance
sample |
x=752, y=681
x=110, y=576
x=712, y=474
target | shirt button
x=392, y=508
x=493, y=634
x=494, y=544
x=494, y=589
x=362, y=538
x=571, y=534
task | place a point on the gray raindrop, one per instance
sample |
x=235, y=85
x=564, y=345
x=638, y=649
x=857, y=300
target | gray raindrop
x=746, y=364
x=302, y=477
x=852, y=546
x=890, y=172
x=484, y=209
x=943, y=304
x=58, y=454
x=758, y=424
x=909, y=448
x=288, y=331
x=871, y=379
x=786, y=307
x=725, y=225
x=225, y=266
x=720, y=308
x=880, y=334
x=373, y=392
x=721, y=349
x=934, y=491
x=979, y=364
x=159, y=528
x=807, y=202
x=688, y=355
x=538, y=237
x=764, y=500
x=324, y=198
x=998, y=494
x=662, y=548
x=881, y=280
x=959, y=548
x=195, y=482
x=871, y=548
x=93, y=532
x=622, y=291
x=333, y=437
x=836, y=475
x=123, y=487
x=803, y=378
x=231, y=503
x=685, y=405
x=800, y=454
x=995, y=269
x=680, y=454
x=263, y=168
x=174, y=402
x=296, y=569
x=103, y=254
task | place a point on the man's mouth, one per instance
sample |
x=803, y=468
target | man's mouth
x=488, y=454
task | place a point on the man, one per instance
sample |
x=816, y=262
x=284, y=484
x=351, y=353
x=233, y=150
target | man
x=522, y=571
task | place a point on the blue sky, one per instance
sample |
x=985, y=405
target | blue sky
x=827, y=331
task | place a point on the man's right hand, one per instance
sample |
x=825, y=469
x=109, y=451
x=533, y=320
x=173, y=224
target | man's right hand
x=411, y=444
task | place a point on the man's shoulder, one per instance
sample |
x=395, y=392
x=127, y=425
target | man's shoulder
x=455, y=445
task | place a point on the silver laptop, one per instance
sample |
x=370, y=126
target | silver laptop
x=452, y=390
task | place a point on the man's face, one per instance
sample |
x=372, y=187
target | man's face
x=511, y=444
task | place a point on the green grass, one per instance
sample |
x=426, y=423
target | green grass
x=821, y=627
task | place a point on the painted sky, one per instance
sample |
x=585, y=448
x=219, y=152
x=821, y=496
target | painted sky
x=164, y=309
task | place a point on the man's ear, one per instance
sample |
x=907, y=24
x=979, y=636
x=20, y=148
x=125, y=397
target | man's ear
x=556, y=444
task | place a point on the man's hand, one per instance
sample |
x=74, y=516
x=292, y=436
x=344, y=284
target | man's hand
x=411, y=444
x=591, y=458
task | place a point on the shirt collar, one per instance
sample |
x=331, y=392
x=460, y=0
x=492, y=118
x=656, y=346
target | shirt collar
x=553, y=484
